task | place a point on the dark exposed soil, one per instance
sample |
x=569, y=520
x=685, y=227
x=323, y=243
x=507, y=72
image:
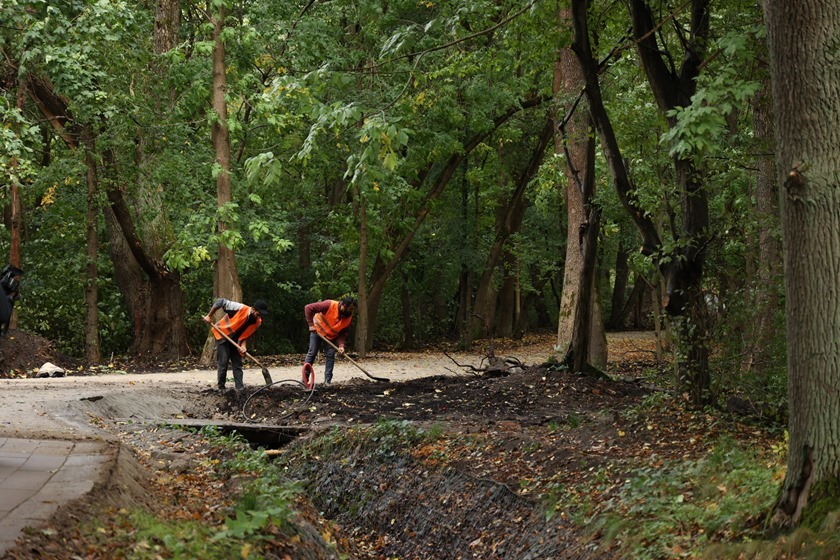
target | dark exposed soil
x=480, y=490
x=22, y=353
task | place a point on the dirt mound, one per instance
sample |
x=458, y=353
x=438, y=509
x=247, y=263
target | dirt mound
x=537, y=396
x=21, y=353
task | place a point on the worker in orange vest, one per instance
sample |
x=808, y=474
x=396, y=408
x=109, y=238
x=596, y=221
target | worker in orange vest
x=239, y=323
x=330, y=319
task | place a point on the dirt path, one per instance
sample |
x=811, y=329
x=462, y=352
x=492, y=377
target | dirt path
x=53, y=408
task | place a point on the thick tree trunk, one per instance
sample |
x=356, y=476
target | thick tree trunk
x=167, y=25
x=574, y=138
x=807, y=108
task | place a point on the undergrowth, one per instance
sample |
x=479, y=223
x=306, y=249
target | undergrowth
x=677, y=509
x=260, y=511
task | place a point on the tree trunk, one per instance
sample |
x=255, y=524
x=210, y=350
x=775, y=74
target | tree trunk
x=438, y=182
x=508, y=222
x=362, y=324
x=226, y=281
x=763, y=332
x=92, y=351
x=577, y=144
x=578, y=358
x=622, y=273
x=574, y=138
x=169, y=341
x=684, y=271
x=167, y=25
x=16, y=207
x=806, y=108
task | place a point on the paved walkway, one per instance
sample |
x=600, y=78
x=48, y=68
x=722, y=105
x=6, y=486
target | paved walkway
x=37, y=476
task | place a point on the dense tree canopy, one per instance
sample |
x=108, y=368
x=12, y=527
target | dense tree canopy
x=400, y=152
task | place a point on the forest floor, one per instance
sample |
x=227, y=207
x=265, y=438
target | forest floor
x=513, y=464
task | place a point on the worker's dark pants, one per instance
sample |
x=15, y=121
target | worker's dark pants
x=227, y=353
x=329, y=355
x=7, y=306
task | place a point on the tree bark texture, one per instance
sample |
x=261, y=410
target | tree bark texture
x=167, y=25
x=575, y=140
x=226, y=281
x=804, y=38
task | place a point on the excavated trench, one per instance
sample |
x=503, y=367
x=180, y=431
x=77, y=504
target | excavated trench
x=405, y=507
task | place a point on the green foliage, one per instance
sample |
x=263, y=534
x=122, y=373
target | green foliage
x=678, y=508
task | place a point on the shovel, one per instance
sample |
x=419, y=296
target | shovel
x=383, y=379
x=266, y=375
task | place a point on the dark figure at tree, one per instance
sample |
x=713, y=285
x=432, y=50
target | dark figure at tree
x=10, y=276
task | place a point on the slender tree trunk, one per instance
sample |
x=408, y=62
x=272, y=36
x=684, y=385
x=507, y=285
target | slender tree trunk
x=226, y=281
x=578, y=357
x=684, y=272
x=807, y=108
x=763, y=332
x=16, y=219
x=362, y=324
x=92, y=351
x=622, y=273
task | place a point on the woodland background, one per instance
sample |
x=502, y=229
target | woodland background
x=437, y=159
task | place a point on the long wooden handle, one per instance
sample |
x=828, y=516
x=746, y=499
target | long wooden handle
x=352, y=361
x=229, y=339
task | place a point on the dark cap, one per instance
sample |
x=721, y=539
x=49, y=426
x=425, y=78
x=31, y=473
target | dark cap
x=261, y=306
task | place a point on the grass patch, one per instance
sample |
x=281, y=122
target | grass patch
x=678, y=509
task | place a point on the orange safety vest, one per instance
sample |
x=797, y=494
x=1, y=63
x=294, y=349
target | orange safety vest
x=330, y=324
x=235, y=327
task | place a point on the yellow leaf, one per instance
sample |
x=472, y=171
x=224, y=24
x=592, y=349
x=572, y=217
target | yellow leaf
x=246, y=550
